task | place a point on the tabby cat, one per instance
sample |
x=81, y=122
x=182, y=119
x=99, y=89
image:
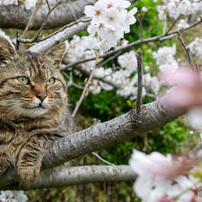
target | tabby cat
x=33, y=107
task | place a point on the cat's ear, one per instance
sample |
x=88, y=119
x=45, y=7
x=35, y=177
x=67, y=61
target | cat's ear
x=56, y=53
x=7, y=51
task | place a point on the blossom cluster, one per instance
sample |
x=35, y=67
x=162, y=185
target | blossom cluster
x=165, y=58
x=161, y=178
x=119, y=75
x=178, y=7
x=110, y=20
x=196, y=47
x=13, y=196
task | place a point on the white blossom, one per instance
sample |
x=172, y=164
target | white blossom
x=185, y=7
x=151, y=83
x=8, y=2
x=130, y=19
x=173, y=10
x=161, y=12
x=182, y=24
x=194, y=116
x=78, y=48
x=29, y=4
x=129, y=61
x=110, y=20
x=169, y=66
x=144, y=9
x=95, y=87
x=13, y=196
x=164, y=55
x=196, y=47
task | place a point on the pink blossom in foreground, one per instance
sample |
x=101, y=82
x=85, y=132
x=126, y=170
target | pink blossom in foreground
x=157, y=175
x=187, y=91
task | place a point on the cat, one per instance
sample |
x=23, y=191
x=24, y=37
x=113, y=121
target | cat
x=33, y=107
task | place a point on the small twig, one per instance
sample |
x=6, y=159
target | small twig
x=139, y=87
x=187, y=51
x=41, y=28
x=139, y=18
x=31, y=19
x=103, y=160
x=83, y=19
x=17, y=42
x=173, y=25
x=49, y=8
x=86, y=86
x=109, y=59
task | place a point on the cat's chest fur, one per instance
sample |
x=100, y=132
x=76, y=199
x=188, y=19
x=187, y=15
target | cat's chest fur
x=15, y=134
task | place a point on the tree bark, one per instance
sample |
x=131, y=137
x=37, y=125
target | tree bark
x=17, y=16
x=67, y=176
x=60, y=36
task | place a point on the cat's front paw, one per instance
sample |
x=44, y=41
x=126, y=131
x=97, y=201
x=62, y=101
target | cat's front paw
x=28, y=173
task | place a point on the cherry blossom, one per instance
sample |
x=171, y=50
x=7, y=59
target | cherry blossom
x=156, y=174
x=14, y=196
x=165, y=55
x=173, y=10
x=110, y=20
x=185, y=7
x=196, y=47
x=144, y=9
x=182, y=24
x=161, y=12
x=176, y=8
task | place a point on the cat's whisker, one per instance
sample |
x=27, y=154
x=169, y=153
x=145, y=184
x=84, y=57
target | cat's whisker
x=58, y=101
x=14, y=107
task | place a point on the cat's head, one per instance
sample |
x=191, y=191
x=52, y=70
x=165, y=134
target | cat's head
x=31, y=84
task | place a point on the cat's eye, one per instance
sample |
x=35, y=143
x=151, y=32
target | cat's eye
x=24, y=80
x=50, y=81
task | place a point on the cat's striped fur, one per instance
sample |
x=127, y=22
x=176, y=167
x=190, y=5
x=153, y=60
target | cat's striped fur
x=33, y=107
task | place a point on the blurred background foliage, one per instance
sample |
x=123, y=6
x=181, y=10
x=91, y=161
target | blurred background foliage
x=174, y=138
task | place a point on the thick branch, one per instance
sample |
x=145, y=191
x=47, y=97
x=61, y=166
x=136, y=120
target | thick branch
x=61, y=36
x=17, y=16
x=102, y=135
x=66, y=176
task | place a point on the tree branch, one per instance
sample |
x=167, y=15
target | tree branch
x=66, y=176
x=61, y=36
x=41, y=28
x=102, y=135
x=17, y=16
x=31, y=19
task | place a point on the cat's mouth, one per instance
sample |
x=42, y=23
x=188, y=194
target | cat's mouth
x=40, y=106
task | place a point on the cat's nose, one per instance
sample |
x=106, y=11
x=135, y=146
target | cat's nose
x=41, y=95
